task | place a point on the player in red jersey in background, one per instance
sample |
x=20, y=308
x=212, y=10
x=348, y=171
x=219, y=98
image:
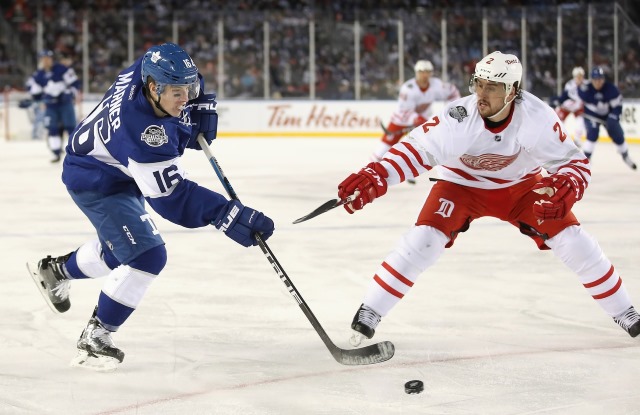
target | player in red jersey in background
x=570, y=103
x=415, y=105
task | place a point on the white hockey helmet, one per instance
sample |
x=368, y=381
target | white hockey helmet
x=578, y=70
x=423, y=65
x=499, y=67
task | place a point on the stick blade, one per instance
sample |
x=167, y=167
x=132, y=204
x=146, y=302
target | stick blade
x=320, y=210
x=375, y=353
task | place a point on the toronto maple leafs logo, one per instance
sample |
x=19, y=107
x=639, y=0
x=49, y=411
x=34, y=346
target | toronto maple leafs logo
x=154, y=135
x=458, y=112
x=155, y=56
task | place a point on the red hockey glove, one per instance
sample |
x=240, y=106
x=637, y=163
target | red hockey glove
x=562, y=191
x=393, y=133
x=369, y=182
x=419, y=121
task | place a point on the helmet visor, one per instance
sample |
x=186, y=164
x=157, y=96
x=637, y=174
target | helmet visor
x=189, y=91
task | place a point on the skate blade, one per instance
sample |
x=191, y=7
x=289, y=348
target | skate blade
x=98, y=364
x=37, y=279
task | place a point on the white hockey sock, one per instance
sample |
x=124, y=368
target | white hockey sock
x=588, y=146
x=89, y=259
x=417, y=250
x=55, y=142
x=622, y=148
x=581, y=253
x=127, y=285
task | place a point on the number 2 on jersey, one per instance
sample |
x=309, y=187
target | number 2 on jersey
x=431, y=123
x=561, y=134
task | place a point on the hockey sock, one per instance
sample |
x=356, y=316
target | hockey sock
x=581, y=253
x=87, y=262
x=126, y=286
x=417, y=250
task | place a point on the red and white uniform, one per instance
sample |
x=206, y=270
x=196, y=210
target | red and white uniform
x=414, y=102
x=490, y=172
x=468, y=153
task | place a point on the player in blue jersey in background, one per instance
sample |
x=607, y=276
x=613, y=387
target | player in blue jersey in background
x=126, y=151
x=603, y=106
x=55, y=85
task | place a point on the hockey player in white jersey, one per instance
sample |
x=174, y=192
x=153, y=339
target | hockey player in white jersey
x=415, y=105
x=128, y=151
x=569, y=102
x=489, y=149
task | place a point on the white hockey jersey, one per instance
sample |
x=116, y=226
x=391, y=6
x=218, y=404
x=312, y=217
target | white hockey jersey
x=469, y=153
x=412, y=101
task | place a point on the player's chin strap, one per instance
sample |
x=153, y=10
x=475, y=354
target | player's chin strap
x=156, y=103
x=506, y=104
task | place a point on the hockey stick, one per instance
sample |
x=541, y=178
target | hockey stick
x=327, y=206
x=403, y=131
x=592, y=118
x=375, y=353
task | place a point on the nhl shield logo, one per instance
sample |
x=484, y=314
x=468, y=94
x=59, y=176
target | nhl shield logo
x=459, y=113
x=154, y=135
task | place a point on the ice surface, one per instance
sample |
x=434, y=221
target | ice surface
x=495, y=327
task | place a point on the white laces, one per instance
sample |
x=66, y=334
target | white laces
x=369, y=317
x=61, y=290
x=628, y=318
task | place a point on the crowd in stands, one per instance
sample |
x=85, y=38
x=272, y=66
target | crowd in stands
x=284, y=24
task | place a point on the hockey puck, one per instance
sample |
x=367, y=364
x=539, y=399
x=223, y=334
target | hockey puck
x=413, y=387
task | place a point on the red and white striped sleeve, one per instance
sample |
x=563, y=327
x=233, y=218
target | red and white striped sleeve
x=406, y=160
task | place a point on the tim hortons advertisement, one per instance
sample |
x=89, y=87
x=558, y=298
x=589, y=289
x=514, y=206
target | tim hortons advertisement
x=292, y=118
x=303, y=118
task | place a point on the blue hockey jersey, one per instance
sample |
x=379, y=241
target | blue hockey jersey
x=600, y=104
x=55, y=86
x=123, y=146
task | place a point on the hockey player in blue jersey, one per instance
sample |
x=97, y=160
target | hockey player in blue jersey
x=126, y=151
x=603, y=106
x=55, y=85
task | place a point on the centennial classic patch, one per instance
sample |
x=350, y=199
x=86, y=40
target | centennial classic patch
x=458, y=112
x=155, y=136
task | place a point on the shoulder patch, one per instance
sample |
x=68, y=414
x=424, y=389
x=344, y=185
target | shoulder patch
x=154, y=135
x=458, y=112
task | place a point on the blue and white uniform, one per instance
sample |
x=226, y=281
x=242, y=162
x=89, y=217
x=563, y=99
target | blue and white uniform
x=119, y=156
x=56, y=88
x=124, y=154
x=603, y=106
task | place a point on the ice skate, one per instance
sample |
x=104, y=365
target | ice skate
x=96, y=350
x=52, y=282
x=364, y=323
x=627, y=160
x=629, y=321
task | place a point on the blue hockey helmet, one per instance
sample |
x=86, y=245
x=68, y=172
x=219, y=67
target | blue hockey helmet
x=597, y=73
x=45, y=52
x=169, y=64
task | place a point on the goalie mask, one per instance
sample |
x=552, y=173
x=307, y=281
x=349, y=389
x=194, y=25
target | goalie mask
x=498, y=67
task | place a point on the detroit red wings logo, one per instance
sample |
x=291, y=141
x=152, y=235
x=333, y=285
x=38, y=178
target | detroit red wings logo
x=488, y=162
